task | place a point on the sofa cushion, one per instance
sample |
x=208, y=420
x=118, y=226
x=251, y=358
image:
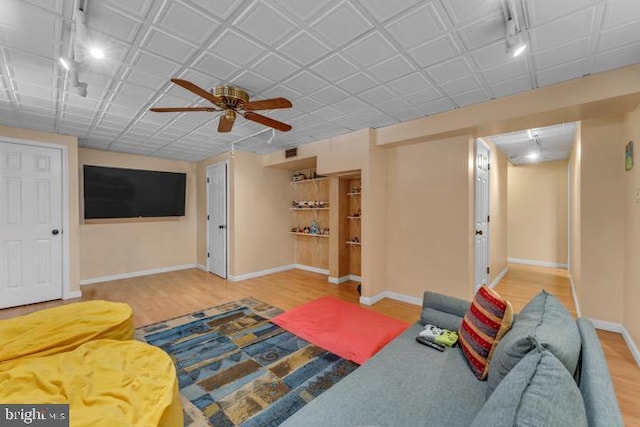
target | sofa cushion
x=549, y=322
x=486, y=321
x=404, y=384
x=538, y=391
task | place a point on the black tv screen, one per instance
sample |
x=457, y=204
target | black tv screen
x=132, y=193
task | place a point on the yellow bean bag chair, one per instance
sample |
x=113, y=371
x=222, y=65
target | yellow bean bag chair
x=106, y=383
x=63, y=328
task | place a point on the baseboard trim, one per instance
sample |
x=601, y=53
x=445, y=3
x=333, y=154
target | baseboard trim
x=260, y=273
x=575, y=296
x=404, y=298
x=498, y=278
x=393, y=295
x=201, y=267
x=536, y=263
x=136, y=274
x=72, y=294
x=633, y=348
x=371, y=300
x=311, y=269
x=340, y=280
x=603, y=325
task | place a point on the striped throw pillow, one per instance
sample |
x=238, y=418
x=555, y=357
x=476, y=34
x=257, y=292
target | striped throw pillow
x=487, y=320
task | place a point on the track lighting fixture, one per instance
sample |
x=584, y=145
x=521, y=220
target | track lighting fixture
x=514, y=43
x=78, y=36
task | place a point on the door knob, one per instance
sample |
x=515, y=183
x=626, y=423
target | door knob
x=55, y=232
x=222, y=227
x=479, y=232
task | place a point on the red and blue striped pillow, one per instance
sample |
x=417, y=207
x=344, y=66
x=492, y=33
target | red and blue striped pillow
x=487, y=320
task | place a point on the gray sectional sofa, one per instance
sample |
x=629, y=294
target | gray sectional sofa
x=409, y=384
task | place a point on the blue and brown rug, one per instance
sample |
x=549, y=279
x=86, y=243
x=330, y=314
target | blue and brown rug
x=236, y=368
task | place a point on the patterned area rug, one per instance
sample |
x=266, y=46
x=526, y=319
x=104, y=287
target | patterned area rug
x=237, y=368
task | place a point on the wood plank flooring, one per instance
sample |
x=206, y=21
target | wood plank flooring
x=162, y=296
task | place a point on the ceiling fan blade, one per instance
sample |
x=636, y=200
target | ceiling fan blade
x=197, y=90
x=177, y=109
x=255, y=117
x=267, y=104
x=226, y=122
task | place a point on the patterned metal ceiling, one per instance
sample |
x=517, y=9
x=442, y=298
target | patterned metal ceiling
x=345, y=65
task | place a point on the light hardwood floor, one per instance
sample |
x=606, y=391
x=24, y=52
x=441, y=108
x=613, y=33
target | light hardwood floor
x=159, y=297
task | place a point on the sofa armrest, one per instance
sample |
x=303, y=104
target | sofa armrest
x=595, y=383
x=442, y=310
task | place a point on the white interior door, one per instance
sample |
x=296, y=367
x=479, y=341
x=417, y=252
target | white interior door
x=481, y=275
x=217, y=219
x=30, y=224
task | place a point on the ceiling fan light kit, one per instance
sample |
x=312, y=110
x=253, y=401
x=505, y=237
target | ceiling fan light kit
x=231, y=100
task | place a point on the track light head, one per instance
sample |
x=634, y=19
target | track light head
x=65, y=62
x=513, y=41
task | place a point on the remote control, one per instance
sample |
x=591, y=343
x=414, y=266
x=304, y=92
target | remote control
x=424, y=341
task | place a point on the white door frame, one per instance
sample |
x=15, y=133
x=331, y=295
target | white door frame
x=228, y=257
x=66, y=280
x=488, y=233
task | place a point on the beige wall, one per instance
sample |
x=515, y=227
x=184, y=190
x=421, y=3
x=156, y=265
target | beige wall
x=374, y=223
x=631, y=289
x=126, y=246
x=602, y=222
x=575, y=168
x=261, y=216
x=71, y=142
x=498, y=181
x=259, y=199
x=428, y=235
x=538, y=209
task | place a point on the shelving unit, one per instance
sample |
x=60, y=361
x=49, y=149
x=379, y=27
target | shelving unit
x=312, y=249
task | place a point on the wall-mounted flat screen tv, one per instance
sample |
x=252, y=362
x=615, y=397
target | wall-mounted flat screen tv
x=132, y=193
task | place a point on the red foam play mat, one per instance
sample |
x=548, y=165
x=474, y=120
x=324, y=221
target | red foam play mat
x=350, y=331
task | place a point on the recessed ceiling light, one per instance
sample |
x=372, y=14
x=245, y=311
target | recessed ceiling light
x=64, y=63
x=533, y=155
x=97, y=53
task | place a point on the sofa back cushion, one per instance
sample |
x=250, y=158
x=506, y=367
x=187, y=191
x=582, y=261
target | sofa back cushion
x=548, y=321
x=489, y=317
x=538, y=391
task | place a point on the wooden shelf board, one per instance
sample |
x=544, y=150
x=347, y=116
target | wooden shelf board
x=309, y=234
x=354, y=243
x=354, y=194
x=309, y=180
x=354, y=217
x=309, y=209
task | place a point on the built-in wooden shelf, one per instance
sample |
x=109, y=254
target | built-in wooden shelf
x=310, y=180
x=309, y=234
x=354, y=217
x=354, y=194
x=354, y=243
x=309, y=209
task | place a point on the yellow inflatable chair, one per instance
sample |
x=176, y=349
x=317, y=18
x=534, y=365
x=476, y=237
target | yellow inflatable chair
x=106, y=383
x=83, y=354
x=63, y=328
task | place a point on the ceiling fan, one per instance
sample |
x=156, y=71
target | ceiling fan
x=231, y=101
